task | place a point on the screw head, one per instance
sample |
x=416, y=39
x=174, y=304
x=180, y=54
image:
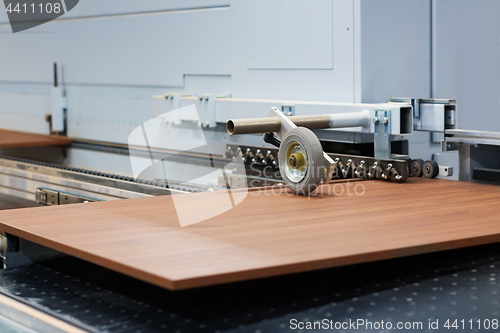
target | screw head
x=375, y=120
x=385, y=120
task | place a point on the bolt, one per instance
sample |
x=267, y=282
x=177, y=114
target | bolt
x=268, y=152
x=349, y=161
x=200, y=97
x=389, y=166
x=375, y=120
x=385, y=120
x=362, y=163
x=248, y=150
x=337, y=160
x=258, y=151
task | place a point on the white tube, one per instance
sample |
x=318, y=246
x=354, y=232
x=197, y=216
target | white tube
x=351, y=119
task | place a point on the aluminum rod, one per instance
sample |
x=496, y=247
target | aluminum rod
x=273, y=124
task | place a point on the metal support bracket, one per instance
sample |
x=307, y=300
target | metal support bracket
x=207, y=110
x=382, y=136
x=17, y=252
x=54, y=198
x=173, y=100
x=286, y=126
x=168, y=102
x=445, y=171
x=288, y=109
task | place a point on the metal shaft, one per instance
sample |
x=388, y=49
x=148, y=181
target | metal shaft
x=273, y=124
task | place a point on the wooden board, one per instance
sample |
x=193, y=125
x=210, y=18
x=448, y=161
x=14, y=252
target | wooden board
x=13, y=139
x=266, y=235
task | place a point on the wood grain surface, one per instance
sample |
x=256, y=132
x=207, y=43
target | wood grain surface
x=266, y=235
x=13, y=139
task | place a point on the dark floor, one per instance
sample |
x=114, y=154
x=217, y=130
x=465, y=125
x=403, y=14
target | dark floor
x=459, y=284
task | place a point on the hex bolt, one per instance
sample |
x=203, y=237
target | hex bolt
x=385, y=120
x=375, y=120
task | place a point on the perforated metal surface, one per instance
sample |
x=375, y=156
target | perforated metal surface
x=452, y=285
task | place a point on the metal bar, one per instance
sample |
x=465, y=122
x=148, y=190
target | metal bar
x=273, y=124
x=472, y=133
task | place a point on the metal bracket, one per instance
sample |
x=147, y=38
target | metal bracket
x=17, y=252
x=54, y=198
x=207, y=110
x=173, y=100
x=59, y=106
x=415, y=103
x=288, y=109
x=57, y=117
x=382, y=136
x=445, y=171
x=170, y=101
x=286, y=126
